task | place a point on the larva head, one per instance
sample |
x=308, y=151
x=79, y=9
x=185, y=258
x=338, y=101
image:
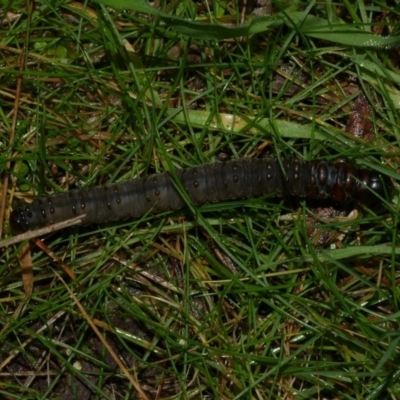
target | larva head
x=18, y=221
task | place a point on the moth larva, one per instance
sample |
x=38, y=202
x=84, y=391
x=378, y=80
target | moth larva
x=236, y=179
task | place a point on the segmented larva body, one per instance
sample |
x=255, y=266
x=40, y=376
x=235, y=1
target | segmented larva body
x=210, y=183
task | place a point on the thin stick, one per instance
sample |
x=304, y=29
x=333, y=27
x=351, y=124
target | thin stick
x=43, y=231
x=56, y=258
x=12, y=134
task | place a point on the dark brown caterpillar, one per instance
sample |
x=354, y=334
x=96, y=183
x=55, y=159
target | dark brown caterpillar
x=238, y=179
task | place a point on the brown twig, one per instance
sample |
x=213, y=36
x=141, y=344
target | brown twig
x=43, y=231
x=12, y=135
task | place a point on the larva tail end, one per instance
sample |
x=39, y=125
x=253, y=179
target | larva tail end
x=382, y=186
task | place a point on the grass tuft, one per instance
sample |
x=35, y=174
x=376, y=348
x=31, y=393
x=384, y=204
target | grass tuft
x=261, y=298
